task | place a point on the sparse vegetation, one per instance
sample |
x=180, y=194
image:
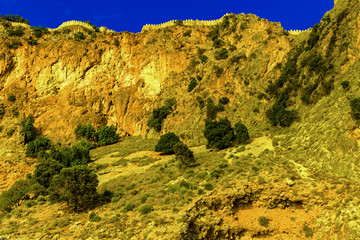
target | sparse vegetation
x=12, y=98
x=263, y=221
x=193, y=83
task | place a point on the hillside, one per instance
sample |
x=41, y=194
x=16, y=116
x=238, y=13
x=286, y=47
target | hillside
x=296, y=177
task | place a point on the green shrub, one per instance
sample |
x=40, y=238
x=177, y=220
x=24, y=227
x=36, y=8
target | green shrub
x=241, y=133
x=308, y=231
x=221, y=54
x=16, y=18
x=14, y=44
x=159, y=115
x=79, y=36
x=19, y=32
x=40, y=144
x=12, y=98
x=146, y=209
x=314, y=37
x=224, y=100
x=183, y=154
x=32, y=41
x=46, y=170
x=94, y=218
x=39, y=31
x=219, y=134
x=187, y=33
x=77, y=186
x=217, y=43
x=128, y=207
x=193, y=83
x=166, y=143
x=200, y=102
x=29, y=203
x=203, y=58
x=208, y=186
x=218, y=71
x=263, y=221
x=355, y=108
x=85, y=131
x=212, y=109
x=106, y=135
x=345, y=85
x=15, y=112
x=28, y=129
x=144, y=197
x=278, y=114
x=10, y=132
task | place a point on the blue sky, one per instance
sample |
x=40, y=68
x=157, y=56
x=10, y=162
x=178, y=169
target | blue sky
x=132, y=15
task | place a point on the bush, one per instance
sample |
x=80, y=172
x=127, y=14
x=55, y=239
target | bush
x=263, y=221
x=94, y=218
x=219, y=134
x=208, y=186
x=39, y=31
x=79, y=36
x=28, y=129
x=32, y=41
x=203, y=58
x=224, y=100
x=15, y=112
x=128, y=207
x=16, y=18
x=40, y=144
x=345, y=85
x=146, y=209
x=85, y=131
x=221, y=54
x=218, y=71
x=159, y=115
x=192, y=84
x=19, y=32
x=106, y=135
x=10, y=132
x=355, y=108
x=166, y=143
x=77, y=186
x=241, y=133
x=187, y=33
x=278, y=115
x=46, y=170
x=183, y=154
x=14, y=44
x=12, y=98
x=200, y=102
x=212, y=109
x=144, y=197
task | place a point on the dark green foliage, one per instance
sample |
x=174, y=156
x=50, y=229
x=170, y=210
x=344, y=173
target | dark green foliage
x=221, y=54
x=212, y=109
x=183, y=154
x=187, y=33
x=200, y=102
x=218, y=71
x=203, y=58
x=39, y=31
x=94, y=218
x=18, y=32
x=79, y=36
x=355, y=108
x=46, y=170
x=193, y=83
x=225, y=23
x=32, y=41
x=10, y=132
x=278, y=115
x=214, y=34
x=166, y=143
x=241, y=133
x=178, y=22
x=15, y=112
x=14, y=44
x=128, y=207
x=16, y=18
x=224, y=100
x=159, y=115
x=19, y=191
x=146, y=209
x=85, y=131
x=77, y=186
x=208, y=186
x=314, y=37
x=263, y=221
x=219, y=134
x=342, y=15
x=345, y=85
x=217, y=43
x=12, y=98
x=308, y=231
x=307, y=92
x=40, y=144
x=28, y=129
x=96, y=28
x=106, y=135
x=116, y=42
x=200, y=51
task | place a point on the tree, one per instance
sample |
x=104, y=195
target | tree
x=241, y=133
x=46, y=170
x=219, y=134
x=106, y=135
x=29, y=129
x=77, y=186
x=166, y=143
x=355, y=108
x=40, y=144
x=183, y=154
x=158, y=116
x=85, y=131
x=192, y=84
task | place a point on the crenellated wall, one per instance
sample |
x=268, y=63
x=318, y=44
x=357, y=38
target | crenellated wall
x=297, y=32
x=188, y=22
